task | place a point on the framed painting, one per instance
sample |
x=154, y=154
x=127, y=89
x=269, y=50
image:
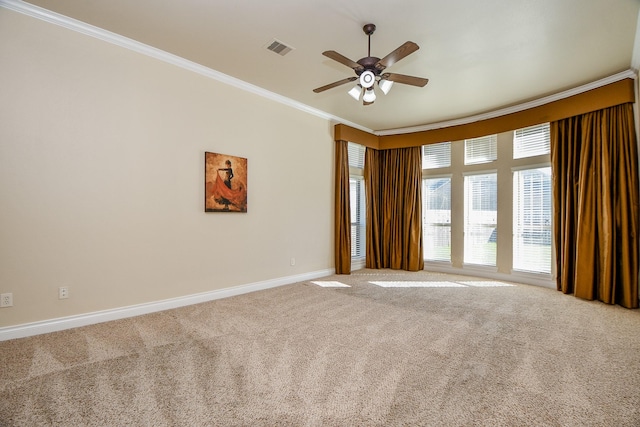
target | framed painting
x=225, y=183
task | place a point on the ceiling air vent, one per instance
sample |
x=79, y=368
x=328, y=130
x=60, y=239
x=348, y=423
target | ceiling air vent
x=279, y=47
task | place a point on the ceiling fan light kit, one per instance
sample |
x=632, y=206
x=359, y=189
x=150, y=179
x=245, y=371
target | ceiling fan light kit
x=369, y=71
x=356, y=92
x=369, y=96
x=385, y=85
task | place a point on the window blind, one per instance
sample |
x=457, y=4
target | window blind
x=531, y=141
x=480, y=213
x=532, y=220
x=355, y=153
x=481, y=150
x=436, y=155
x=436, y=218
x=358, y=215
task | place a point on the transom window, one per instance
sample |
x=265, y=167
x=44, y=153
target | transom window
x=481, y=150
x=436, y=155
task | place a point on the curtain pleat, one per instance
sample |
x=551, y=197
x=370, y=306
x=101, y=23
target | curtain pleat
x=595, y=188
x=342, y=238
x=393, y=182
x=627, y=208
x=373, y=258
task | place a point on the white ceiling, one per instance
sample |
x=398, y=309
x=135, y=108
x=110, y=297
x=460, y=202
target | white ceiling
x=480, y=55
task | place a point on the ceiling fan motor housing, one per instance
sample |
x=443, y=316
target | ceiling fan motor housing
x=369, y=72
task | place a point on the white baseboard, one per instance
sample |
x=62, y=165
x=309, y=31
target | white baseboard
x=62, y=323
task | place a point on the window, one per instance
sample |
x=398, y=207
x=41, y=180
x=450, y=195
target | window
x=532, y=202
x=531, y=141
x=436, y=222
x=480, y=218
x=356, y=155
x=487, y=208
x=358, y=229
x=481, y=150
x=532, y=220
x=357, y=200
x=436, y=155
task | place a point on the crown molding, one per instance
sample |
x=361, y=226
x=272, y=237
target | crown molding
x=627, y=74
x=135, y=46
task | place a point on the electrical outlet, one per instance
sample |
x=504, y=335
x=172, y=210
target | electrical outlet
x=63, y=292
x=293, y=261
x=6, y=300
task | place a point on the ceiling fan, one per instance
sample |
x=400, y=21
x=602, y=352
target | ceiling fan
x=370, y=69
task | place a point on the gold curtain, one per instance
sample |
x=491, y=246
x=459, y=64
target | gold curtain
x=595, y=190
x=342, y=238
x=393, y=182
x=373, y=194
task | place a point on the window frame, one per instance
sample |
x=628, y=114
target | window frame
x=504, y=165
x=358, y=252
x=514, y=170
x=424, y=219
x=464, y=251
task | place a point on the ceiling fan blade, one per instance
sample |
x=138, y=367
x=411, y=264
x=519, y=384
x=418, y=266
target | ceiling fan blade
x=395, y=56
x=407, y=80
x=343, y=60
x=334, y=84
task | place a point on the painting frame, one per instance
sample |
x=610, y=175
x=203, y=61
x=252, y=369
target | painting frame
x=225, y=183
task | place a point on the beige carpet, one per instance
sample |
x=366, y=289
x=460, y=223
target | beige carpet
x=455, y=354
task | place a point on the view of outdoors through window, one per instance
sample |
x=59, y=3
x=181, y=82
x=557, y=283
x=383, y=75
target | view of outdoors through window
x=480, y=218
x=532, y=220
x=481, y=198
x=357, y=205
x=458, y=177
x=436, y=224
x=357, y=199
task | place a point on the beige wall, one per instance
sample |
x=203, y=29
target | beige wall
x=102, y=182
